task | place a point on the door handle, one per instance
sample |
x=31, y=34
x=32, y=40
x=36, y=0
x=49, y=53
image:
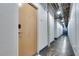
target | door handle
x=19, y=34
x=19, y=26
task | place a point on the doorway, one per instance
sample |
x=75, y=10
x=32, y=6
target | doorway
x=27, y=30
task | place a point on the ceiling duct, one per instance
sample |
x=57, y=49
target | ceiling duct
x=55, y=6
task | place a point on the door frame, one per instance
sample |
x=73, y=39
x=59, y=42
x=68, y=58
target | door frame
x=36, y=27
x=36, y=30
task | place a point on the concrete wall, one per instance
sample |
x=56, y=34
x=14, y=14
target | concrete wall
x=8, y=29
x=73, y=28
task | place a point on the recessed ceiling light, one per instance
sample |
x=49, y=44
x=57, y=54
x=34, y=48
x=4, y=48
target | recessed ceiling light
x=58, y=12
x=20, y=4
x=62, y=20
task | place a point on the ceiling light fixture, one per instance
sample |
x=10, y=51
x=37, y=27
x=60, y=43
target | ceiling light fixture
x=20, y=4
x=58, y=12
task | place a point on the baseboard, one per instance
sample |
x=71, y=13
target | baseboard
x=35, y=54
x=43, y=48
x=58, y=37
x=52, y=42
x=46, y=46
x=55, y=38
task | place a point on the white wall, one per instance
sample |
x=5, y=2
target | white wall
x=8, y=29
x=77, y=29
x=42, y=26
x=58, y=30
x=73, y=28
x=51, y=27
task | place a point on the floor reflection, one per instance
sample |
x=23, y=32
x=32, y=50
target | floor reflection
x=61, y=47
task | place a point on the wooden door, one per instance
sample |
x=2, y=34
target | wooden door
x=27, y=30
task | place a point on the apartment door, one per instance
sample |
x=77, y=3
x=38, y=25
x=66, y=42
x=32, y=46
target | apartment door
x=27, y=30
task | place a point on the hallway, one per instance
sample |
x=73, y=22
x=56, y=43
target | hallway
x=60, y=47
x=42, y=29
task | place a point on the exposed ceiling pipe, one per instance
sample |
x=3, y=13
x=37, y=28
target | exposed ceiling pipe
x=55, y=6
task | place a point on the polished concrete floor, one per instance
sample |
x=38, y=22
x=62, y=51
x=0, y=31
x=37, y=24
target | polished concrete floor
x=60, y=47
